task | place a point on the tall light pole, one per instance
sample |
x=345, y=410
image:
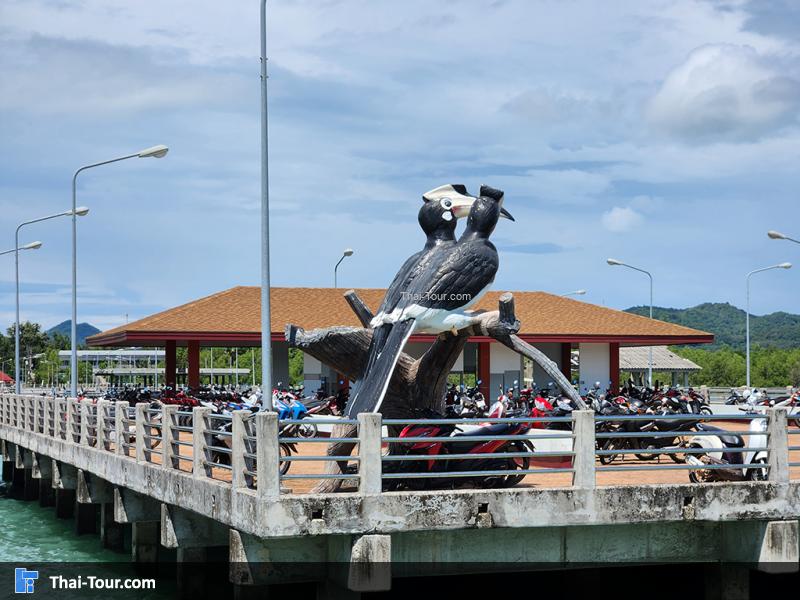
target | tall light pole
x=777, y=235
x=785, y=265
x=15, y=250
x=81, y=211
x=575, y=293
x=618, y=263
x=266, y=322
x=347, y=252
x=153, y=152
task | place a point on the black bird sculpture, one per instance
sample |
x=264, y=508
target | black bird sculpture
x=447, y=281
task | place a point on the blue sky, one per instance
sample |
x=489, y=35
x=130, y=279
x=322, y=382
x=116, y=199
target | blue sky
x=663, y=133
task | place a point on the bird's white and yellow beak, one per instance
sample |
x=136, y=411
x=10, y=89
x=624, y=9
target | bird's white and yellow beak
x=461, y=206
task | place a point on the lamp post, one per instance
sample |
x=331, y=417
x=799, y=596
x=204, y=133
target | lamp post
x=266, y=322
x=81, y=211
x=575, y=293
x=785, y=265
x=777, y=235
x=618, y=263
x=153, y=152
x=347, y=252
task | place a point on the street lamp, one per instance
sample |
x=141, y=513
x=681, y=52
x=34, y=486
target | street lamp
x=785, y=265
x=347, y=252
x=80, y=211
x=266, y=322
x=575, y=293
x=777, y=235
x=153, y=152
x=31, y=246
x=618, y=263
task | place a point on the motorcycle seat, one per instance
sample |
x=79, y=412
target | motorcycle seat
x=494, y=429
x=731, y=441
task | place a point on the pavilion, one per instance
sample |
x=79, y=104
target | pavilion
x=554, y=324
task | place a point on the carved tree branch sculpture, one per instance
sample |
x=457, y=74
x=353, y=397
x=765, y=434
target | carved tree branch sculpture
x=416, y=383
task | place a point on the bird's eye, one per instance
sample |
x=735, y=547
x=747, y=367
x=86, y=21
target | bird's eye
x=447, y=203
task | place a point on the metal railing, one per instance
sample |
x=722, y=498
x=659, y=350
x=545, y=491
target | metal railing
x=259, y=453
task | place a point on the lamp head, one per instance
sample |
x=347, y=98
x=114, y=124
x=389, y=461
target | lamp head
x=154, y=151
x=32, y=246
x=614, y=262
x=580, y=292
x=81, y=211
x=786, y=265
x=348, y=252
x=776, y=235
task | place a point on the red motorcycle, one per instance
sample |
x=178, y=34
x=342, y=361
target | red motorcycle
x=482, y=456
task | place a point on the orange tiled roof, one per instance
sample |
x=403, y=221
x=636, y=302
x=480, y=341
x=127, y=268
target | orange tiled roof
x=234, y=315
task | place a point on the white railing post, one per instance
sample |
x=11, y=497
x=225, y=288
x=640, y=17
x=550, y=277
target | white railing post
x=200, y=415
x=36, y=415
x=369, y=451
x=141, y=417
x=268, y=456
x=100, y=424
x=168, y=453
x=778, y=444
x=47, y=415
x=583, y=448
x=239, y=477
x=70, y=420
x=121, y=428
x=85, y=406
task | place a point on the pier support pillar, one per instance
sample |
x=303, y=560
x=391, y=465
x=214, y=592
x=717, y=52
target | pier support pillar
x=31, y=486
x=85, y=518
x=191, y=573
x=727, y=582
x=42, y=471
x=64, y=479
x=130, y=507
x=112, y=534
x=144, y=542
x=8, y=469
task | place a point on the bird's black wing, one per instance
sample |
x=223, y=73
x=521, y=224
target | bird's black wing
x=465, y=272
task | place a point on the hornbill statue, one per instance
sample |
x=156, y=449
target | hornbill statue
x=432, y=295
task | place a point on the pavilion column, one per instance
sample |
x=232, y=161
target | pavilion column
x=170, y=363
x=484, y=369
x=193, y=374
x=613, y=365
x=566, y=360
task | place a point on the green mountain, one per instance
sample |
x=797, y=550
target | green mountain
x=727, y=323
x=84, y=330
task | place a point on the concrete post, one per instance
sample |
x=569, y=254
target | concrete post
x=168, y=437
x=141, y=416
x=778, y=443
x=121, y=427
x=71, y=420
x=268, y=456
x=42, y=470
x=199, y=443
x=101, y=424
x=144, y=541
x=583, y=447
x=85, y=407
x=36, y=415
x=47, y=413
x=371, y=563
x=85, y=518
x=58, y=418
x=369, y=452
x=239, y=478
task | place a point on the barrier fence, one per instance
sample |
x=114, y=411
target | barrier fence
x=259, y=452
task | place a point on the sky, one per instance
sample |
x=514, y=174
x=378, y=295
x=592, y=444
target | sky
x=664, y=133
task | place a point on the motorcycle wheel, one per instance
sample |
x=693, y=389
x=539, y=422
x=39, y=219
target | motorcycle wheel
x=610, y=444
x=285, y=452
x=521, y=463
x=757, y=473
x=677, y=457
x=705, y=410
x=307, y=430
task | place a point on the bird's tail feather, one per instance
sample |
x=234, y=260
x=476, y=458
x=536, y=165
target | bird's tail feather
x=384, y=352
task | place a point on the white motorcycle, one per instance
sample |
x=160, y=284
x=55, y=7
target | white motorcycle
x=726, y=455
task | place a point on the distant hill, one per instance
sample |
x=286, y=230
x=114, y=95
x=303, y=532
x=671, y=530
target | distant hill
x=84, y=330
x=727, y=323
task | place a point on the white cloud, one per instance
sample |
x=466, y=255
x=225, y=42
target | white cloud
x=620, y=219
x=725, y=92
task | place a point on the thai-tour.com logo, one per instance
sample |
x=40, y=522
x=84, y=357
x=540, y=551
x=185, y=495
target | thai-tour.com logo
x=25, y=582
